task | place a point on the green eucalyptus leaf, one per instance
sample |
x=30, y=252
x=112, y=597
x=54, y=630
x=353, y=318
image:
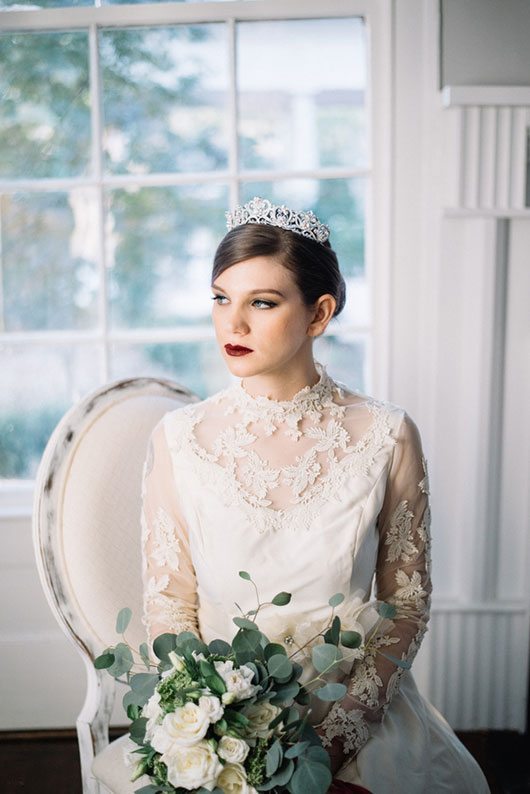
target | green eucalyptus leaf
x=287, y=691
x=219, y=647
x=296, y=749
x=144, y=653
x=245, y=575
x=351, y=639
x=246, y=645
x=324, y=656
x=281, y=599
x=336, y=599
x=163, y=645
x=243, y=623
x=137, y=730
x=144, y=684
x=331, y=691
x=279, y=666
x=335, y=630
x=273, y=648
x=132, y=699
x=386, y=610
x=123, y=660
x=310, y=776
x=104, y=661
x=273, y=756
x=123, y=619
x=317, y=753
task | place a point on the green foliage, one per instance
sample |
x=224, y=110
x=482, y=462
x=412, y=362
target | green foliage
x=245, y=575
x=243, y=623
x=336, y=599
x=331, y=691
x=281, y=599
x=123, y=620
x=310, y=776
x=325, y=656
x=123, y=660
x=280, y=667
x=246, y=645
x=351, y=639
x=163, y=645
x=104, y=661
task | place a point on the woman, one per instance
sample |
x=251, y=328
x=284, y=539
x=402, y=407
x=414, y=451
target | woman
x=311, y=487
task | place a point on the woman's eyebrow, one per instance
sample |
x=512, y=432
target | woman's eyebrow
x=255, y=291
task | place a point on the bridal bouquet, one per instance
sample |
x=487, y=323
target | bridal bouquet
x=229, y=717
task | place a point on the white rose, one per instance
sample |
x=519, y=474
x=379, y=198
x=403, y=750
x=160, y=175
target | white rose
x=153, y=712
x=237, y=681
x=182, y=728
x=232, y=750
x=194, y=766
x=233, y=780
x=211, y=705
x=260, y=715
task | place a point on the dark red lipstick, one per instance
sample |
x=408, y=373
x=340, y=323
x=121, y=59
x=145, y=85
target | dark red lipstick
x=237, y=350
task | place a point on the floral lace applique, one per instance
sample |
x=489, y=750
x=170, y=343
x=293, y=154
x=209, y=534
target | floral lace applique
x=399, y=537
x=227, y=460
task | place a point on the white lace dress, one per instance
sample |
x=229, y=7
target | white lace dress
x=323, y=493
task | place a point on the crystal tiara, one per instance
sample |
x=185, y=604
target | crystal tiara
x=260, y=210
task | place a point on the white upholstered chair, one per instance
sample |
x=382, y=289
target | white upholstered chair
x=86, y=530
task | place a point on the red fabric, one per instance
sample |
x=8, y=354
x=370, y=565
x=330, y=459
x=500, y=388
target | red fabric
x=341, y=787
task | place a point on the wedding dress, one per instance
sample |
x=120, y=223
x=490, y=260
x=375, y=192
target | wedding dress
x=326, y=492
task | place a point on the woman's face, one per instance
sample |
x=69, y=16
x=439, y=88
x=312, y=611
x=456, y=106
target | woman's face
x=259, y=308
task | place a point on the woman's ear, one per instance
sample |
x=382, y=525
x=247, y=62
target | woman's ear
x=323, y=311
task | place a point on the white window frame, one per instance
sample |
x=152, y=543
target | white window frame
x=16, y=495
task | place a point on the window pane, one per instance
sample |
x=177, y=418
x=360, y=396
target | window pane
x=301, y=90
x=46, y=3
x=339, y=203
x=160, y=248
x=165, y=98
x=48, y=260
x=197, y=365
x=44, y=104
x=345, y=359
x=39, y=384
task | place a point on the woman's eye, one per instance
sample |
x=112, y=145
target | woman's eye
x=218, y=298
x=264, y=304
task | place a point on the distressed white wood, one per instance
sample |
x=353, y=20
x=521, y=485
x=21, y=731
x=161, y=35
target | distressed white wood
x=135, y=404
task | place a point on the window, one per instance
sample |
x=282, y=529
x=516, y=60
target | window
x=125, y=134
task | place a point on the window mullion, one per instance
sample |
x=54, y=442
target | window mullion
x=233, y=133
x=96, y=106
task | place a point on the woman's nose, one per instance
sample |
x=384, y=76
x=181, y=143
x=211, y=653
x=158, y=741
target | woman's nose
x=237, y=321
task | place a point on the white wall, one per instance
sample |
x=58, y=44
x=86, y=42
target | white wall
x=485, y=42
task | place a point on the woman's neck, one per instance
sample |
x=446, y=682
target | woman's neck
x=282, y=385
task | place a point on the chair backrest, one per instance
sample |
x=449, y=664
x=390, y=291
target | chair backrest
x=86, y=525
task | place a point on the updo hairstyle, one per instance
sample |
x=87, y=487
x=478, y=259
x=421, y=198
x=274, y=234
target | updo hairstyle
x=314, y=265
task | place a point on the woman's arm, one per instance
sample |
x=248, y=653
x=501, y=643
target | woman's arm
x=170, y=591
x=402, y=579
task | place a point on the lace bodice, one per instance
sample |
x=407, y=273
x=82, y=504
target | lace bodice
x=317, y=494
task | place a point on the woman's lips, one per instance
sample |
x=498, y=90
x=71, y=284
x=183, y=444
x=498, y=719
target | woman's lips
x=237, y=350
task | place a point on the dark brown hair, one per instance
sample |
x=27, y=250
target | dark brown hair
x=314, y=265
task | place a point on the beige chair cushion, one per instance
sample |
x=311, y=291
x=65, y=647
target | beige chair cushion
x=109, y=767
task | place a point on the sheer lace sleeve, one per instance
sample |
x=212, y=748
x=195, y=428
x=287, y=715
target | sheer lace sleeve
x=170, y=598
x=403, y=580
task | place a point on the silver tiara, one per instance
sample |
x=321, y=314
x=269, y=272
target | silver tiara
x=260, y=210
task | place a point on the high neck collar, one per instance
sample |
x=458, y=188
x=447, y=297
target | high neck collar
x=309, y=398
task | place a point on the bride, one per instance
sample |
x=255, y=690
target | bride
x=311, y=487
